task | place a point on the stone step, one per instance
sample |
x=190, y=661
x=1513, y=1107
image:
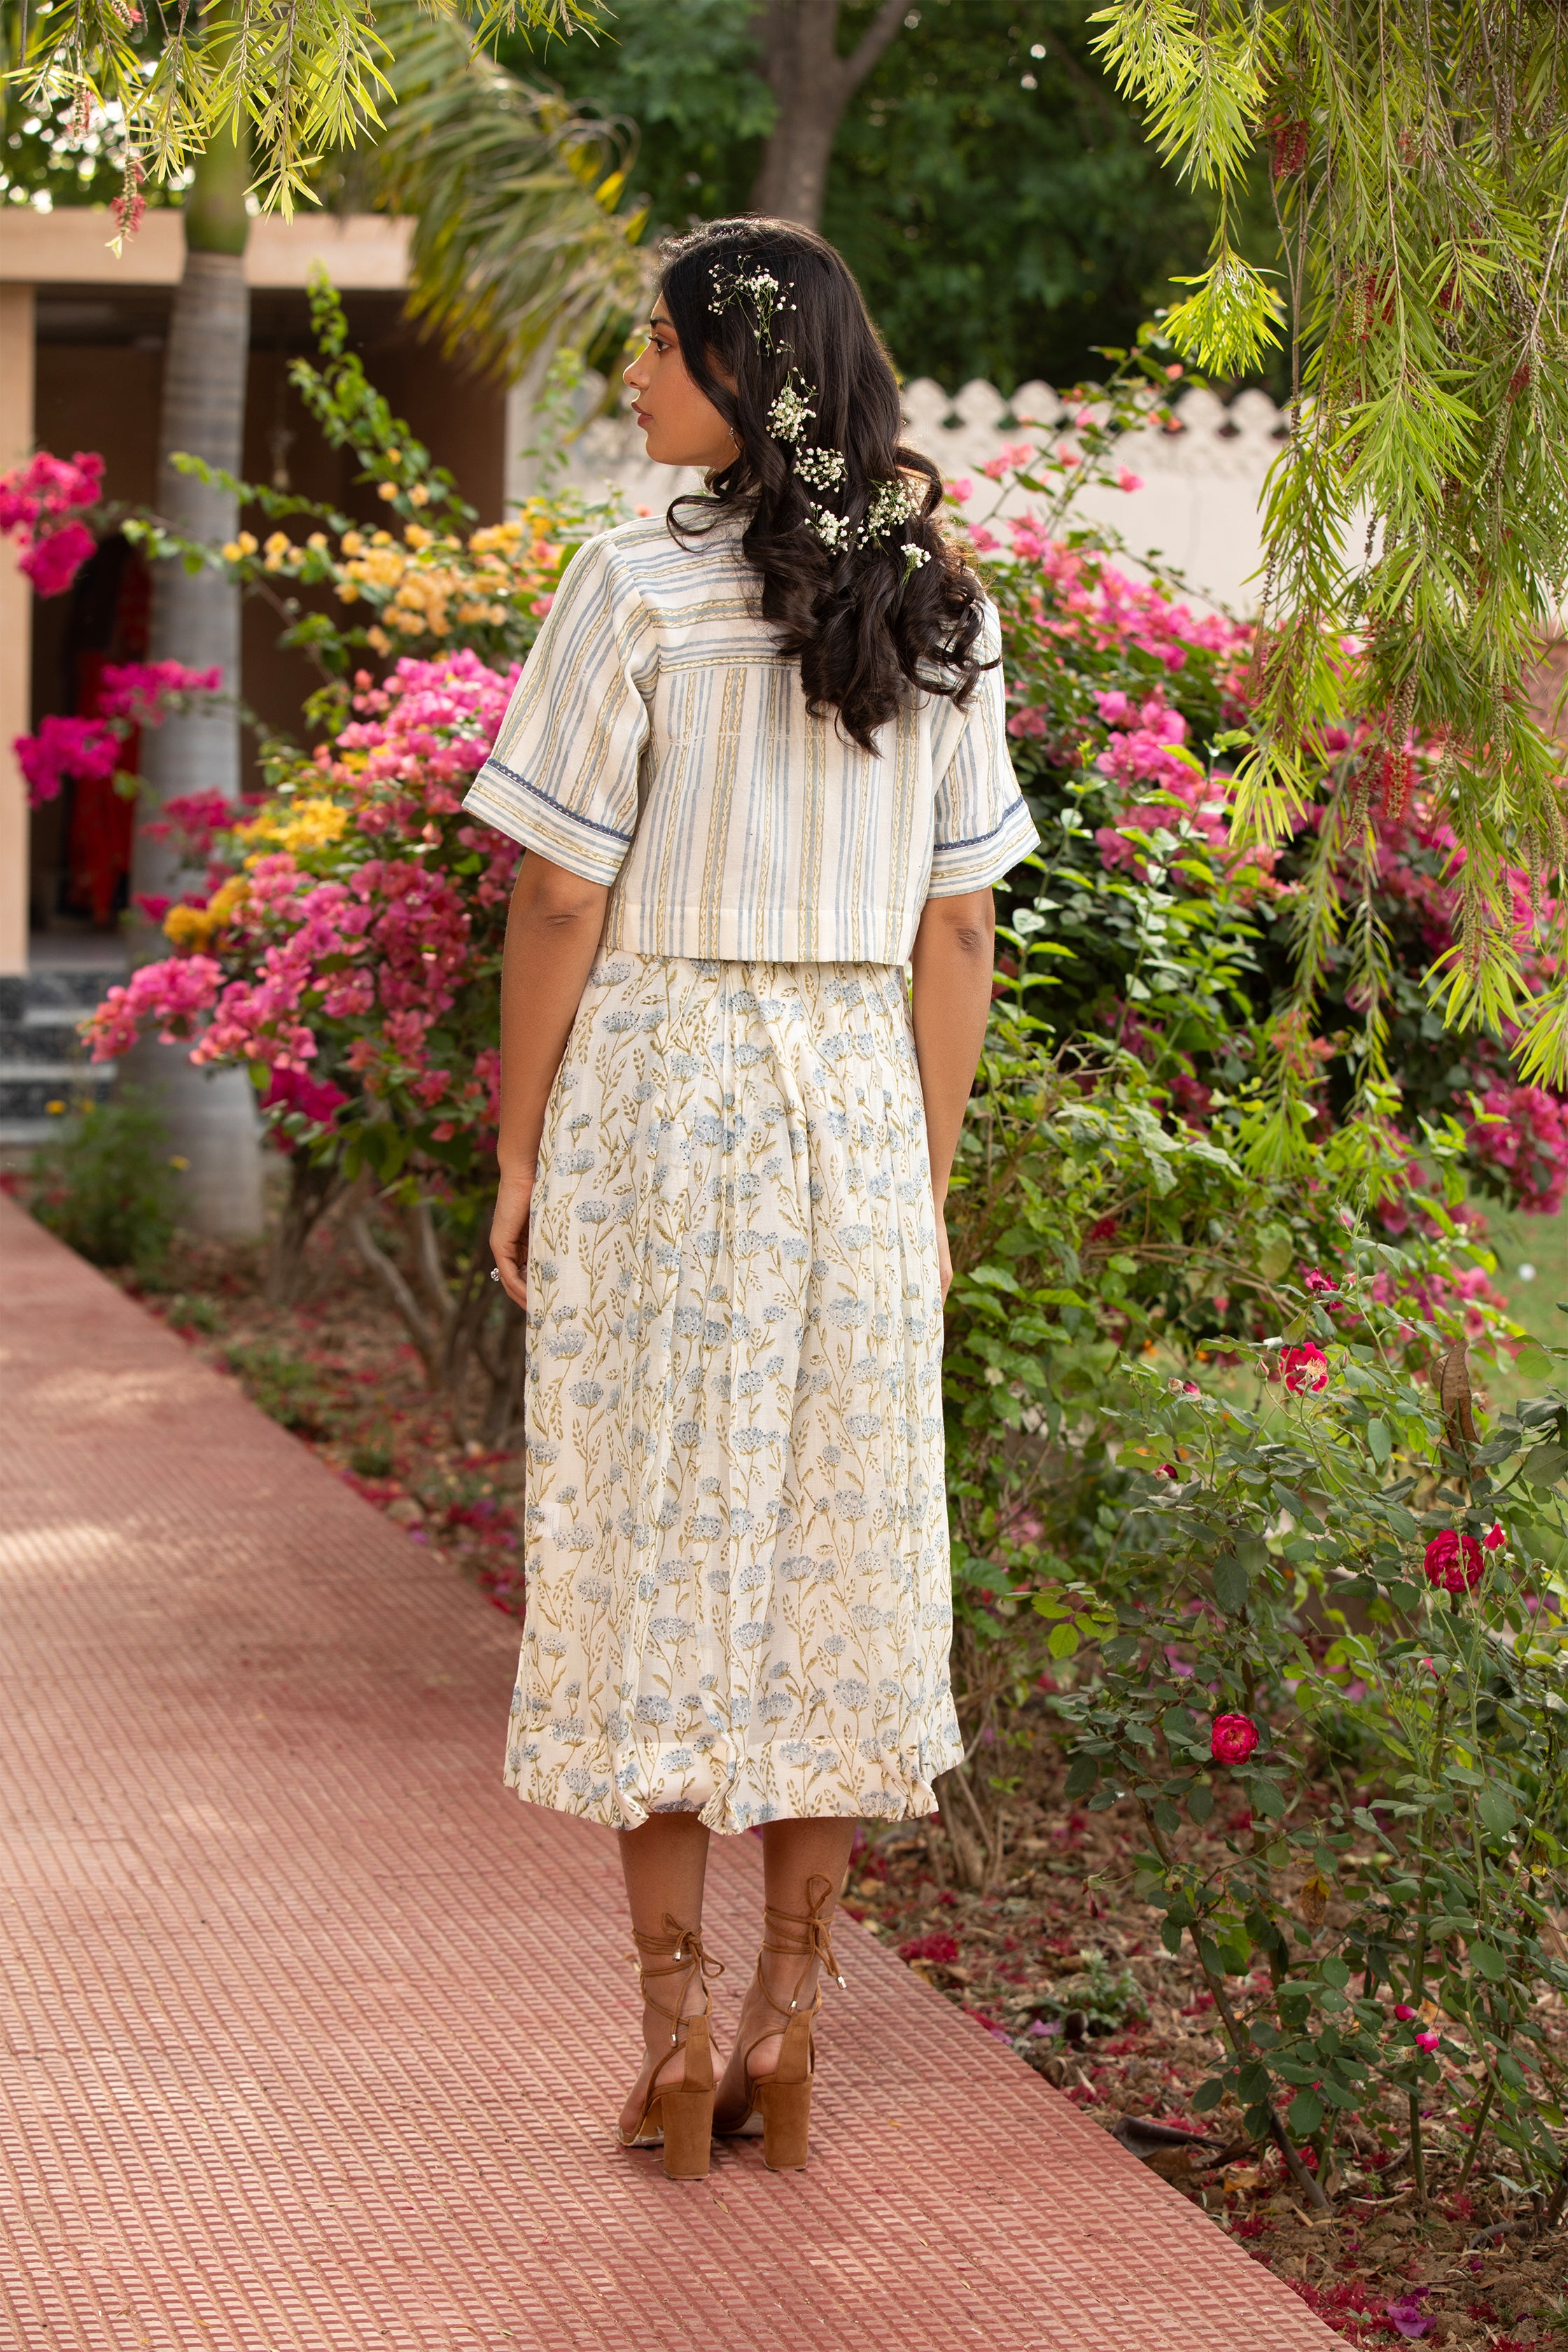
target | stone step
x=70, y=989
x=44, y=1032
x=27, y=1089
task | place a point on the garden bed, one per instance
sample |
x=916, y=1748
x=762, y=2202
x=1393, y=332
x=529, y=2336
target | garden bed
x=1060, y=1959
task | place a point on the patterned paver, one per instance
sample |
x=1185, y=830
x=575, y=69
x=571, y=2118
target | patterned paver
x=313, y=2035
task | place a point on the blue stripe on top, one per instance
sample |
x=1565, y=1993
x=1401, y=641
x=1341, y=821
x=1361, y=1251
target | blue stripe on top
x=659, y=742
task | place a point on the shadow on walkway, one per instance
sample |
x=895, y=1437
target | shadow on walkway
x=314, y=2035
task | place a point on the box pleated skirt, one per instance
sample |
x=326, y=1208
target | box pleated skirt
x=738, y=1597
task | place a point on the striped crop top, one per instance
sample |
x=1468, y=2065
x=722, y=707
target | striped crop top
x=659, y=741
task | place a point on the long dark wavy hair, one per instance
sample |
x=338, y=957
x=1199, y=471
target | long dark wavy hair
x=870, y=622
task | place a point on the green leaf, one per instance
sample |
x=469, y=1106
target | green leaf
x=1082, y=1774
x=1497, y=1812
x=1207, y=2095
x=1062, y=1641
x=1334, y=1972
x=1231, y=1584
x=1200, y=1801
x=1266, y=1798
x=1489, y=1962
x=1305, y=2112
x=1380, y=1441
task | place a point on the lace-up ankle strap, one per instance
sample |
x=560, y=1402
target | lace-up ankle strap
x=811, y=1941
x=683, y=1954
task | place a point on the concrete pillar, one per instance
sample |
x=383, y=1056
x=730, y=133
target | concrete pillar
x=16, y=360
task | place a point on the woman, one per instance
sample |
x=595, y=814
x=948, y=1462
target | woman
x=758, y=762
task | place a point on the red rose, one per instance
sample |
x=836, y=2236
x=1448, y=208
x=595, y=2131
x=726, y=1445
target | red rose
x=1494, y=1538
x=1305, y=1369
x=1232, y=1738
x=1453, y=1561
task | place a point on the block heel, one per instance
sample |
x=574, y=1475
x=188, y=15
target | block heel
x=781, y=2100
x=678, y=2117
x=688, y=2121
x=786, y=2119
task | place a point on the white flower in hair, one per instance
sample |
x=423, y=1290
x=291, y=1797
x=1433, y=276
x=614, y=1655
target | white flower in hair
x=792, y=411
x=824, y=469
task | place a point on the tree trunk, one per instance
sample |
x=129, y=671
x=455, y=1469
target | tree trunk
x=813, y=85
x=195, y=620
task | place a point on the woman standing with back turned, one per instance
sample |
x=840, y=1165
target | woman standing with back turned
x=758, y=761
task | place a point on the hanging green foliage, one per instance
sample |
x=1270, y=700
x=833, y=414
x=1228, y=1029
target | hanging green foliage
x=305, y=75
x=1416, y=520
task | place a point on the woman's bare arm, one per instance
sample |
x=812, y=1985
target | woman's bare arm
x=553, y=935
x=953, y=961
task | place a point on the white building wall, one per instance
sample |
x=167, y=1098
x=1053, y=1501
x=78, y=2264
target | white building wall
x=1198, y=507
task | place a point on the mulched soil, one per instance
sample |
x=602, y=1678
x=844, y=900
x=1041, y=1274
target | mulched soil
x=1057, y=1960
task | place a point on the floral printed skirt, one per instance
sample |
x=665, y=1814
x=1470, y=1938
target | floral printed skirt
x=738, y=1591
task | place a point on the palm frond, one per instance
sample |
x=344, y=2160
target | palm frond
x=518, y=239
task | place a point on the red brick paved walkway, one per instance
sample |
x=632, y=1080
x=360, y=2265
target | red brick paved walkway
x=312, y=2034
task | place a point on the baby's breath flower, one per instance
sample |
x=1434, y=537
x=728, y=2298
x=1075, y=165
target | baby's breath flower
x=824, y=469
x=792, y=411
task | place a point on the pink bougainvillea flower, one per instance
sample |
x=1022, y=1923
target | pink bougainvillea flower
x=87, y=747
x=52, y=562
x=1405, y=2312
x=1127, y=479
x=314, y=1098
x=1453, y=1561
x=1322, y=1286
x=943, y=1949
x=961, y=487
x=1232, y=1738
x=1522, y=1135
x=1305, y=1371
x=1494, y=1538
x=1426, y=2041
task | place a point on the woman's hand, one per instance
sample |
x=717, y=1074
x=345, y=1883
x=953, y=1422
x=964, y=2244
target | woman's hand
x=944, y=1254
x=509, y=1235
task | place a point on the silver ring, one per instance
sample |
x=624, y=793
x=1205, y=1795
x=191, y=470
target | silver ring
x=495, y=1274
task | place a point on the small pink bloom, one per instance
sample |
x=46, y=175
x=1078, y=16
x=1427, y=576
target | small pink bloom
x=961, y=489
x=1171, y=373
x=1232, y=1738
x=1402, y=2009
x=1169, y=1470
x=1426, y=2041
x=1320, y=1284
x=1127, y=479
x=1494, y=1538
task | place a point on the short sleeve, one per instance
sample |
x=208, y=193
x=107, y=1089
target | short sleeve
x=562, y=776
x=982, y=823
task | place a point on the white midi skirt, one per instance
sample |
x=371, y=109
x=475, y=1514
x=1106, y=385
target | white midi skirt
x=738, y=1597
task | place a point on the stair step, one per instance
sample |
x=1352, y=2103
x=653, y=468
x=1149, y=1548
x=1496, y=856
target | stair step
x=26, y=1089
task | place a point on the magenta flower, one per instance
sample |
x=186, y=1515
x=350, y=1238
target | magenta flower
x=1232, y=1738
x=52, y=562
x=1322, y=1286
x=1494, y=1538
x=1427, y=2041
x=1402, y=2009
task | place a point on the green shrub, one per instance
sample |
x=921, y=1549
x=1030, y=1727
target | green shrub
x=105, y=1184
x=286, y=1390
